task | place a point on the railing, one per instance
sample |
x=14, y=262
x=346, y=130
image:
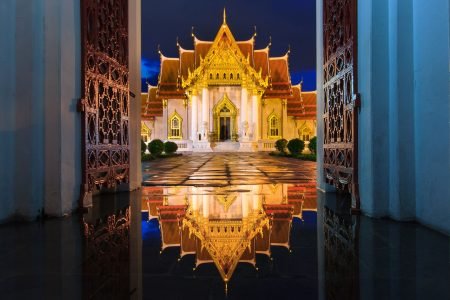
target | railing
x=266, y=145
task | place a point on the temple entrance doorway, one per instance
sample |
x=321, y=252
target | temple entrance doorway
x=225, y=120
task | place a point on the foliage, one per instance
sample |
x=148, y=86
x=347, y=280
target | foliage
x=170, y=147
x=143, y=146
x=280, y=145
x=313, y=145
x=296, y=146
x=156, y=147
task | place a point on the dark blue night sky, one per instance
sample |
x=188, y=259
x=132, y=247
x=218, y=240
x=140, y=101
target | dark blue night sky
x=289, y=22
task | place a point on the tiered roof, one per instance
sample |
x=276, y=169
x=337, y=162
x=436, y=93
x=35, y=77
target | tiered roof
x=274, y=70
x=302, y=105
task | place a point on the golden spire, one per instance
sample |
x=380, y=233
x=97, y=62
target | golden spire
x=224, y=16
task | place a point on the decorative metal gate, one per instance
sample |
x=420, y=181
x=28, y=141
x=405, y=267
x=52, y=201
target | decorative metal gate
x=105, y=102
x=341, y=99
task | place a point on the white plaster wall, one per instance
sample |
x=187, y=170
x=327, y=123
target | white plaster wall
x=62, y=59
x=134, y=44
x=431, y=113
x=403, y=81
x=7, y=113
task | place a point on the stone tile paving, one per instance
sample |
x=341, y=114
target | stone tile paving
x=222, y=169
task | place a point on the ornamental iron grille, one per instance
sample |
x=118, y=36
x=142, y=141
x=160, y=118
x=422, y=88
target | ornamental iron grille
x=105, y=106
x=340, y=97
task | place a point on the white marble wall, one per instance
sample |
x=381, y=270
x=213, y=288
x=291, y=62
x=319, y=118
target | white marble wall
x=40, y=86
x=403, y=81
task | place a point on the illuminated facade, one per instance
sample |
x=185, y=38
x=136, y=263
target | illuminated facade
x=227, y=96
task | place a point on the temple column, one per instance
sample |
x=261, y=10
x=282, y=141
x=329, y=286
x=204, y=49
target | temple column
x=244, y=121
x=205, y=113
x=166, y=119
x=194, y=121
x=284, y=118
x=255, y=117
x=205, y=206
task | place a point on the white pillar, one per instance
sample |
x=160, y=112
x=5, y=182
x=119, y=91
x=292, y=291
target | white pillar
x=284, y=118
x=194, y=121
x=244, y=120
x=205, y=113
x=255, y=117
x=244, y=205
x=165, y=120
x=205, y=205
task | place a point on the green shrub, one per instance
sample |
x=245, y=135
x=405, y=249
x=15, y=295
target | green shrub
x=143, y=146
x=156, y=147
x=280, y=145
x=296, y=146
x=313, y=145
x=170, y=147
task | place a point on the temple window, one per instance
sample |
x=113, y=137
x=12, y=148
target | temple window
x=237, y=75
x=217, y=76
x=175, y=123
x=274, y=126
x=210, y=76
x=231, y=75
x=224, y=76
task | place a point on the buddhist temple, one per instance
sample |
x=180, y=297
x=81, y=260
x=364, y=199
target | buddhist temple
x=225, y=95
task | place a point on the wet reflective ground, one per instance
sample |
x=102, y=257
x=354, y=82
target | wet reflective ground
x=273, y=239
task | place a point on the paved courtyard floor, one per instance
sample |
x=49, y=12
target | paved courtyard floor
x=222, y=169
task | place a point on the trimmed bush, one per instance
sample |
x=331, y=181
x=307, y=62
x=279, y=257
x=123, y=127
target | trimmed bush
x=313, y=145
x=156, y=147
x=280, y=145
x=143, y=147
x=170, y=147
x=296, y=146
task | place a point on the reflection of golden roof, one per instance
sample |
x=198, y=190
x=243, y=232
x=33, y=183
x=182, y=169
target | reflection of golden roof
x=227, y=240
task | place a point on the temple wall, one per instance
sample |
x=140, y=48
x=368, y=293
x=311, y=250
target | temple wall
x=403, y=120
x=40, y=84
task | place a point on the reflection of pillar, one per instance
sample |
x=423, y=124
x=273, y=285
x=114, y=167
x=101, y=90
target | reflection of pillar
x=205, y=206
x=255, y=116
x=205, y=112
x=194, y=202
x=194, y=117
x=255, y=202
x=244, y=205
x=244, y=121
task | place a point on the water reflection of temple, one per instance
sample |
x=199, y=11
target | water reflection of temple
x=227, y=225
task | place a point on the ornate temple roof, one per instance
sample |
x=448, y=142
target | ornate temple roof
x=273, y=69
x=151, y=106
x=302, y=105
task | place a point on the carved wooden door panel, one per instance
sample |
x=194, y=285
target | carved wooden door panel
x=105, y=103
x=341, y=99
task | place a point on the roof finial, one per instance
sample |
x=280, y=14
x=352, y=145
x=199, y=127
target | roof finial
x=224, y=16
x=254, y=35
x=192, y=31
x=289, y=49
x=159, y=50
x=270, y=41
x=178, y=44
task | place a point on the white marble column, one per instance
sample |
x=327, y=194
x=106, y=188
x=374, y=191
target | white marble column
x=244, y=120
x=166, y=119
x=205, y=206
x=194, y=121
x=205, y=113
x=255, y=117
x=284, y=118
